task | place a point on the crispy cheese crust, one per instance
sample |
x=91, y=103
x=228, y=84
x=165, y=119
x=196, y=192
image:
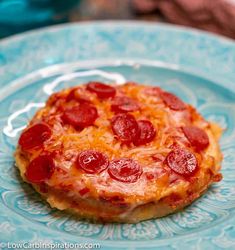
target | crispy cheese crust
x=159, y=191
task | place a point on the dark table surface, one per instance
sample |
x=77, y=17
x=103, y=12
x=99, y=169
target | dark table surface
x=110, y=9
x=92, y=10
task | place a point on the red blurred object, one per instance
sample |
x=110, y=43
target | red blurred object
x=213, y=15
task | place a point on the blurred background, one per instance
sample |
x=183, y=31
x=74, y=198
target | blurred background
x=217, y=16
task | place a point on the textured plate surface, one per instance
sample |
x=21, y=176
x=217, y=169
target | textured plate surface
x=198, y=67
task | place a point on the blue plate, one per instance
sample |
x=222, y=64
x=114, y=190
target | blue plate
x=197, y=66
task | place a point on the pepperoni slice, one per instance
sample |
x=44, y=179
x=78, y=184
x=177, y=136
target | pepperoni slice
x=182, y=162
x=92, y=162
x=125, y=127
x=172, y=101
x=197, y=137
x=147, y=132
x=35, y=136
x=125, y=170
x=82, y=116
x=102, y=90
x=40, y=169
x=124, y=104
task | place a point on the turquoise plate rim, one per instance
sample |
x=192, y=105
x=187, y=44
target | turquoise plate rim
x=226, y=41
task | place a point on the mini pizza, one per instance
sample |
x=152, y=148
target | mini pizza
x=119, y=153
